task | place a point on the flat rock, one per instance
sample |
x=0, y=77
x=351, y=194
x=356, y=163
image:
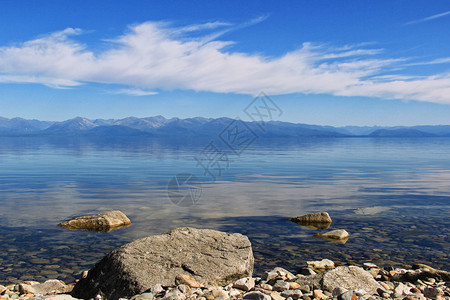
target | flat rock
x=345, y=277
x=245, y=284
x=320, y=264
x=256, y=296
x=50, y=287
x=210, y=257
x=319, y=220
x=339, y=234
x=101, y=222
x=350, y=278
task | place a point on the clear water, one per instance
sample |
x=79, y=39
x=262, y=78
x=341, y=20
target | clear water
x=392, y=195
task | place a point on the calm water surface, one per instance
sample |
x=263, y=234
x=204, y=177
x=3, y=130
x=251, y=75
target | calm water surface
x=392, y=195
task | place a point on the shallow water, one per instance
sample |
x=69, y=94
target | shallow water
x=392, y=195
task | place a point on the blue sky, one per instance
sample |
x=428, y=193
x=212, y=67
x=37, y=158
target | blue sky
x=322, y=62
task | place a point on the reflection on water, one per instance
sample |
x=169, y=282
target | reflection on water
x=391, y=195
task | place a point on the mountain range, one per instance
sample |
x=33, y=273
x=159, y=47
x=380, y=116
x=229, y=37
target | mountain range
x=191, y=127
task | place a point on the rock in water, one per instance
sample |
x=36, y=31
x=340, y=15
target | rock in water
x=339, y=234
x=101, y=222
x=320, y=220
x=210, y=257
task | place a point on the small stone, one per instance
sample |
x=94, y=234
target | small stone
x=144, y=296
x=276, y=296
x=387, y=285
x=339, y=234
x=306, y=297
x=235, y=293
x=26, y=289
x=305, y=289
x=359, y=292
x=174, y=295
x=245, y=284
x=217, y=293
x=2, y=288
x=84, y=274
x=293, y=285
x=281, y=285
x=369, y=265
x=266, y=286
x=294, y=294
x=401, y=290
x=318, y=295
x=338, y=291
x=432, y=292
x=284, y=273
x=345, y=296
x=267, y=276
x=188, y=280
x=321, y=264
x=256, y=296
x=185, y=289
x=306, y=271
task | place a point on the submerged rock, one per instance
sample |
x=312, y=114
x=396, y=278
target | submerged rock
x=101, y=222
x=339, y=235
x=210, y=257
x=320, y=220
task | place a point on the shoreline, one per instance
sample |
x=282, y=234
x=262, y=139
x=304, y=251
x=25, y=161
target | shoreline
x=416, y=282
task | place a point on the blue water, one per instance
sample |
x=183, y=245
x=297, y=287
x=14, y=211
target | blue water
x=392, y=195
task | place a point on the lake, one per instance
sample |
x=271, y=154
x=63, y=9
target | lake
x=391, y=194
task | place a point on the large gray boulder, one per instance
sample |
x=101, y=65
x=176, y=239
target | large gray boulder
x=101, y=222
x=211, y=257
x=348, y=277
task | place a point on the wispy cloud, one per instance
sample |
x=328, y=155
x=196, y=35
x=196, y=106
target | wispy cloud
x=445, y=60
x=136, y=92
x=428, y=18
x=156, y=56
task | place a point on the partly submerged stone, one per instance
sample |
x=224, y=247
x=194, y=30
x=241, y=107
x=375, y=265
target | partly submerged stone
x=319, y=220
x=340, y=235
x=210, y=257
x=101, y=222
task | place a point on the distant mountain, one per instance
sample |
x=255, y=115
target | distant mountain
x=72, y=126
x=21, y=126
x=402, y=132
x=159, y=126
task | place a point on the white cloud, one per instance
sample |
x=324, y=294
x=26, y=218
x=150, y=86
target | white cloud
x=444, y=60
x=436, y=16
x=157, y=56
x=136, y=92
